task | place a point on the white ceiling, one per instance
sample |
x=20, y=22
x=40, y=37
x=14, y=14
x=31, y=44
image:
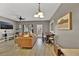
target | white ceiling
x=27, y=10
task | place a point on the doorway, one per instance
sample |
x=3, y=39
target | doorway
x=39, y=30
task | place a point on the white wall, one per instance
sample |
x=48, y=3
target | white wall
x=68, y=39
x=9, y=31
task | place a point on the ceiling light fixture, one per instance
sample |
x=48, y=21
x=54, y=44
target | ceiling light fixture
x=39, y=14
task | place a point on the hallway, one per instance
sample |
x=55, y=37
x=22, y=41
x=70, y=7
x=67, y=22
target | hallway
x=9, y=48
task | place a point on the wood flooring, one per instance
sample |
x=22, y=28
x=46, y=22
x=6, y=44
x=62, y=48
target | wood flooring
x=9, y=48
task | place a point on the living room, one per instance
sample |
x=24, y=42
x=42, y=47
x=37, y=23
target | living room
x=26, y=29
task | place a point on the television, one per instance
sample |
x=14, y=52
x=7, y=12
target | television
x=5, y=25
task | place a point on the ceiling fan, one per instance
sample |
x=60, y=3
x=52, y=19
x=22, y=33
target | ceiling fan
x=17, y=15
x=21, y=18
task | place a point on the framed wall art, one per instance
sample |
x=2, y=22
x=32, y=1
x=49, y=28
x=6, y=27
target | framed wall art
x=65, y=22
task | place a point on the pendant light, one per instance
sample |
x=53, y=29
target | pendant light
x=39, y=14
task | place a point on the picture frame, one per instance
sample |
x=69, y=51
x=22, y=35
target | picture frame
x=65, y=22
